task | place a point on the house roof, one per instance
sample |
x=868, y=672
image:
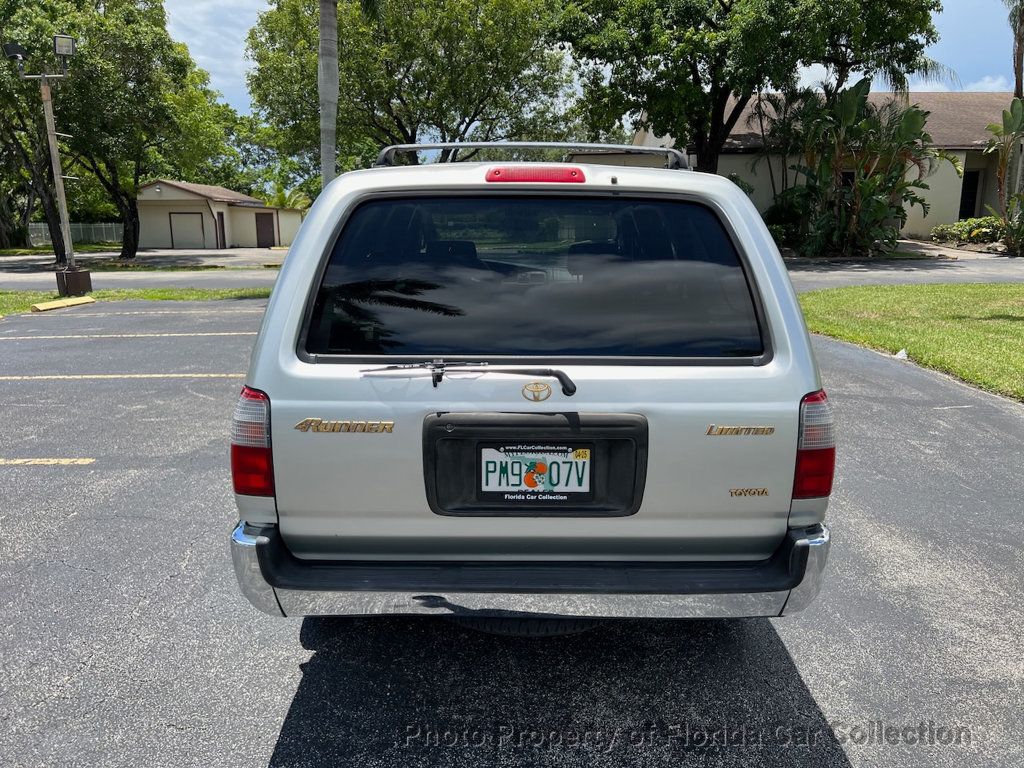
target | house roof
x=957, y=121
x=217, y=194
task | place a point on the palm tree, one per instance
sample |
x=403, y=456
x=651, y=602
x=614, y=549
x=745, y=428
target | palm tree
x=1016, y=8
x=295, y=199
x=327, y=82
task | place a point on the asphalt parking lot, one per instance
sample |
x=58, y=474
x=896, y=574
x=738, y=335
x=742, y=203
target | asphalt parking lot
x=125, y=642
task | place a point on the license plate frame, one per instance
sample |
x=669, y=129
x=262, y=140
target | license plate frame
x=451, y=461
x=561, y=465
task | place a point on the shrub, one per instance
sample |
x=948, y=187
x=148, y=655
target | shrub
x=780, y=235
x=783, y=218
x=987, y=229
x=740, y=182
x=1013, y=236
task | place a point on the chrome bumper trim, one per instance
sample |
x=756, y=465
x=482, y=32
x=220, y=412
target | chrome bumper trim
x=290, y=602
x=803, y=594
x=247, y=570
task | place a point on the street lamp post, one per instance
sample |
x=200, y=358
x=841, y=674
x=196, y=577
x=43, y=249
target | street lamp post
x=70, y=280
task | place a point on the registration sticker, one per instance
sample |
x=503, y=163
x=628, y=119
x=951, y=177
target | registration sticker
x=535, y=473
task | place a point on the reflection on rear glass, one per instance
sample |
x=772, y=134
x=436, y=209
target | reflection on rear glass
x=534, y=277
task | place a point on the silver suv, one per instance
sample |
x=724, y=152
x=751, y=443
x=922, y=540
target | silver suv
x=541, y=390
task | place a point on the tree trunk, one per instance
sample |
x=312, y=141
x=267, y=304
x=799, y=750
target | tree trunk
x=48, y=204
x=128, y=207
x=26, y=218
x=327, y=86
x=708, y=148
x=8, y=224
x=1018, y=59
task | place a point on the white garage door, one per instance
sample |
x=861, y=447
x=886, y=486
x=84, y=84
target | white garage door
x=187, y=230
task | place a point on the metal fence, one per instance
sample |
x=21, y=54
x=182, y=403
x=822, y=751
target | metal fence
x=38, y=234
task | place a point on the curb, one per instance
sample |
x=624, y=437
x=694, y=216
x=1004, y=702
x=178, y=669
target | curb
x=46, y=306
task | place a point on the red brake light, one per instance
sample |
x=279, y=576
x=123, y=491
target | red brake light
x=559, y=174
x=816, y=448
x=252, y=466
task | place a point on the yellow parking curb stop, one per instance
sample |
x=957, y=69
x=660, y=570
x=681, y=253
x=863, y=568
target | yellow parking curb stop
x=46, y=306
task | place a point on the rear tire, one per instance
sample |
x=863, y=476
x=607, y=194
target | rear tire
x=525, y=627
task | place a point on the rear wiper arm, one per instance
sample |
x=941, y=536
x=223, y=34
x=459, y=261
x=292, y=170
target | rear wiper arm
x=438, y=368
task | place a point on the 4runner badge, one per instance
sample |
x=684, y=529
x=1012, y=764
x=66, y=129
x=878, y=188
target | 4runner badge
x=319, y=425
x=716, y=431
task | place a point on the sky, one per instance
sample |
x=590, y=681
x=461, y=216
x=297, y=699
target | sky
x=974, y=41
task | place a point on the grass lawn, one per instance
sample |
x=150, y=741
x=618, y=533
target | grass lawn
x=15, y=302
x=974, y=332
x=45, y=249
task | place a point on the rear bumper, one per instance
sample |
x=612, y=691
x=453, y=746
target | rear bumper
x=280, y=584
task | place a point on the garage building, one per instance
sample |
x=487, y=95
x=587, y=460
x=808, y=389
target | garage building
x=178, y=214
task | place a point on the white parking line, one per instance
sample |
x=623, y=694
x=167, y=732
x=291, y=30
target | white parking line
x=44, y=462
x=118, y=376
x=127, y=335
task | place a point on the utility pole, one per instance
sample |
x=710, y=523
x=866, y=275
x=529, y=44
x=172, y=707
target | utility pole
x=70, y=280
x=58, y=174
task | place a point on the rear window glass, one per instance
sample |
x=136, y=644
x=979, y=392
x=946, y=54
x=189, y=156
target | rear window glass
x=533, y=277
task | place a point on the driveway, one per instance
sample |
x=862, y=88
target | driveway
x=813, y=274
x=125, y=641
x=246, y=268
x=156, y=257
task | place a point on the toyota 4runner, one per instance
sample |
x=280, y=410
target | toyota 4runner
x=552, y=390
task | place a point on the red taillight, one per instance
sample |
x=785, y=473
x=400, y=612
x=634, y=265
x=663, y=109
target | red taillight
x=816, y=448
x=558, y=174
x=252, y=466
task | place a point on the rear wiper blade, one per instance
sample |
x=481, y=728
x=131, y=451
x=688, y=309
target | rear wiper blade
x=438, y=368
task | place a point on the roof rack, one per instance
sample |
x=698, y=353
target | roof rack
x=673, y=157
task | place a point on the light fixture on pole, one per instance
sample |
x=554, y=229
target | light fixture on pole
x=70, y=280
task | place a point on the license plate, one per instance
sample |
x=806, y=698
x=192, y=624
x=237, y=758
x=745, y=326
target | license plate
x=536, y=473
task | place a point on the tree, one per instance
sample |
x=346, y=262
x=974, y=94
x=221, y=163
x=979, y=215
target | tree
x=137, y=106
x=682, y=68
x=1006, y=138
x=448, y=70
x=327, y=85
x=688, y=68
x=327, y=82
x=862, y=165
x=17, y=201
x=288, y=198
x=22, y=130
x=1016, y=19
x=869, y=38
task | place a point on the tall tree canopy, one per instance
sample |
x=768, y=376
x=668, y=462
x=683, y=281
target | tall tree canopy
x=688, y=68
x=684, y=68
x=137, y=106
x=868, y=38
x=445, y=70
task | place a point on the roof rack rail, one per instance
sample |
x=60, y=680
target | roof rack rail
x=673, y=157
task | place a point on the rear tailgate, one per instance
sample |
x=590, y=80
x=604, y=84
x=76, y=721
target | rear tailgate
x=363, y=491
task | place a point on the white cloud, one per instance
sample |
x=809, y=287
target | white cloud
x=215, y=33
x=990, y=83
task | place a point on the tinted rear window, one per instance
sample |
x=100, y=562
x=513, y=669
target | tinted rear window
x=534, y=277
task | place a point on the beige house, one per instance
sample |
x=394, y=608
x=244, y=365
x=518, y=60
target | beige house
x=178, y=214
x=957, y=124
